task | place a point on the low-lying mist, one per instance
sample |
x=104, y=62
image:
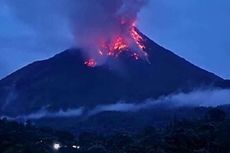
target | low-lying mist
x=196, y=98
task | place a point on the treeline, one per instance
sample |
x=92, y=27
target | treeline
x=210, y=134
x=26, y=138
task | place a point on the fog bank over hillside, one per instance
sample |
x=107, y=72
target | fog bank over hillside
x=196, y=98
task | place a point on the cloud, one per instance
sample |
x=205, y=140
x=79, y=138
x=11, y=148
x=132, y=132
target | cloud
x=43, y=113
x=196, y=98
x=212, y=98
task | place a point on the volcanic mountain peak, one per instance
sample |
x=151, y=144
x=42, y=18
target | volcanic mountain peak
x=64, y=81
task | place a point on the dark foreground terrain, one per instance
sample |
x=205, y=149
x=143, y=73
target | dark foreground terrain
x=207, y=134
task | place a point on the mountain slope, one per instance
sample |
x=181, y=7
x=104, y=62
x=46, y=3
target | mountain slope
x=63, y=81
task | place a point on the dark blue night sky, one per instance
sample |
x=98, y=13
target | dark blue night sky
x=196, y=30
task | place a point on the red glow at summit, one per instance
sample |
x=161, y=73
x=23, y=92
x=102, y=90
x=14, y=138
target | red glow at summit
x=127, y=40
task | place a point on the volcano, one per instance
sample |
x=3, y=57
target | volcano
x=70, y=80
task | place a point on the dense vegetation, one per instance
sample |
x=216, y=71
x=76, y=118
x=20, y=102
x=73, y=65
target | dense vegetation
x=210, y=134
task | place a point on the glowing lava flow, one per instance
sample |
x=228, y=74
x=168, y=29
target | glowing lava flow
x=137, y=38
x=114, y=48
x=118, y=46
x=139, y=41
x=122, y=43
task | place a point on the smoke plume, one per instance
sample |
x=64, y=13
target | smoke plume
x=87, y=20
x=100, y=23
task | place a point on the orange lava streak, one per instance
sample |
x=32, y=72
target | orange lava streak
x=117, y=46
x=120, y=44
x=137, y=38
x=113, y=48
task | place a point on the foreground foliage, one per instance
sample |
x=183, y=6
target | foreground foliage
x=207, y=135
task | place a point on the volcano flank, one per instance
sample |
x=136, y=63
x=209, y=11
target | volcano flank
x=65, y=81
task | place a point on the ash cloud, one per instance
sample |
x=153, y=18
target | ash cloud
x=36, y=29
x=101, y=20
